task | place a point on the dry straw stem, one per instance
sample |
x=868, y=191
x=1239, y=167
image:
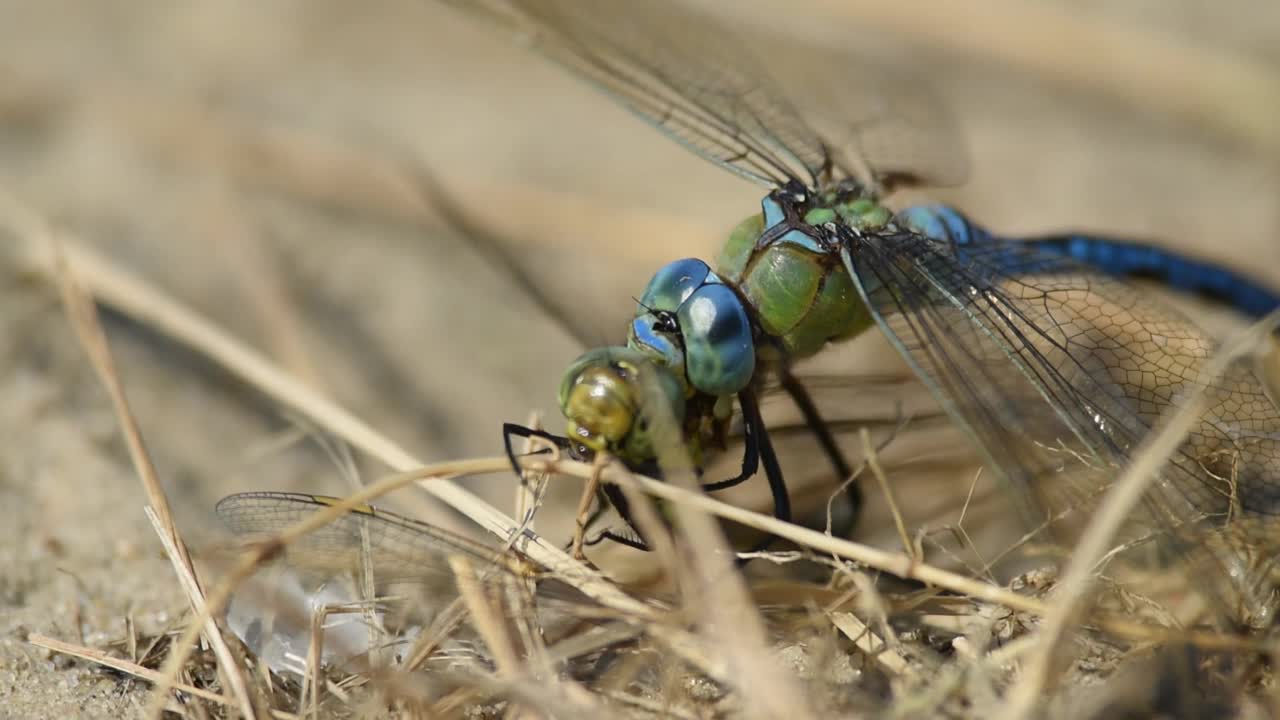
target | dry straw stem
x=713, y=586
x=486, y=619
x=882, y=480
x=195, y=594
x=1114, y=509
x=897, y=564
x=84, y=319
x=100, y=657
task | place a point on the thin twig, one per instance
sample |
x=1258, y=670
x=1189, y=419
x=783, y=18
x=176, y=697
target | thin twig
x=899, y=565
x=873, y=462
x=84, y=318
x=485, y=620
x=712, y=585
x=128, y=667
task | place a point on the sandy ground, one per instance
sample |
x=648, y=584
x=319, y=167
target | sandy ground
x=154, y=132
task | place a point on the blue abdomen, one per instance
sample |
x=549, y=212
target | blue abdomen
x=1120, y=257
x=1111, y=256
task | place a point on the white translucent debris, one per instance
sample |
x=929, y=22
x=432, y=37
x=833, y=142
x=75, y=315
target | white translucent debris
x=273, y=611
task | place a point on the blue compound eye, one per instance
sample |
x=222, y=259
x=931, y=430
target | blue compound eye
x=658, y=343
x=672, y=285
x=719, y=354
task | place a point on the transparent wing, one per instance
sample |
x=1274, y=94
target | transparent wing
x=1059, y=373
x=871, y=116
x=703, y=87
x=400, y=549
x=274, y=613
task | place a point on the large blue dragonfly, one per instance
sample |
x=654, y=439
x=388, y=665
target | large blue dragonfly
x=1056, y=368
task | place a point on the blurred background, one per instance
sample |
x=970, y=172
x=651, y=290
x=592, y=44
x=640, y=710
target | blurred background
x=262, y=162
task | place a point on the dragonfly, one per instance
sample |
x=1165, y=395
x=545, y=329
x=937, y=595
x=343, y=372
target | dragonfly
x=1054, y=365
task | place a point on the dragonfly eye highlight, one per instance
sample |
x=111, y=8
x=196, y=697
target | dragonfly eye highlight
x=719, y=350
x=672, y=285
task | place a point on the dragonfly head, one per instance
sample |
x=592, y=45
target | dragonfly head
x=603, y=396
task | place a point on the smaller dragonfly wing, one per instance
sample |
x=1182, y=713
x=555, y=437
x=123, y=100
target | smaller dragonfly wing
x=1059, y=372
x=400, y=549
x=412, y=581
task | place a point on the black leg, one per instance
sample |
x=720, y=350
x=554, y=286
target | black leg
x=615, y=498
x=510, y=430
x=757, y=447
x=772, y=470
x=631, y=541
x=750, y=460
x=800, y=395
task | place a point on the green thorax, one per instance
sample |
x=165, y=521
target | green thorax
x=791, y=274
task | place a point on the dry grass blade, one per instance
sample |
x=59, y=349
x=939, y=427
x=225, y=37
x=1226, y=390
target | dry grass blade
x=897, y=564
x=873, y=462
x=714, y=587
x=191, y=586
x=84, y=318
x=131, y=668
x=485, y=618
